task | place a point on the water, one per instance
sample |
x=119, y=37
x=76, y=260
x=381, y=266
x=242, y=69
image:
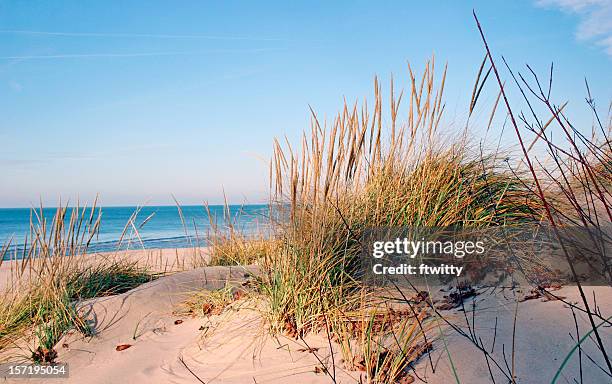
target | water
x=158, y=226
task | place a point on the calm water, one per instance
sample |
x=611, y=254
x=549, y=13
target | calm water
x=158, y=226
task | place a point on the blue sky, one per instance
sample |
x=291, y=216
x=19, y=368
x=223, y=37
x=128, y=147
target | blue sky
x=140, y=99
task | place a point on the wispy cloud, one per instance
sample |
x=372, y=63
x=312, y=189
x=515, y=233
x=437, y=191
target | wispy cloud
x=595, y=19
x=141, y=54
x=136, y=35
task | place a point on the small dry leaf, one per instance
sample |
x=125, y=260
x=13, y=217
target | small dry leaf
x=238, y=295
x=177, y=322
x=290, y=330
x=531, y=296
x=541, y=292
x=359, y=363
x=65, y=345
x=319, y=369
x=207, y=308
x=549, y=297
x=408, y=379
x=122, y=347
x=44, y=355
x=309, y=350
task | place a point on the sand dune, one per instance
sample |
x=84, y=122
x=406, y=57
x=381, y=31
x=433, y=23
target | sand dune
x=237, y=351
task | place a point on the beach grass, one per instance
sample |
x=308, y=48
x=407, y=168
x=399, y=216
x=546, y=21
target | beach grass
x=50, y=278
x=370, y=170
x=358, y=175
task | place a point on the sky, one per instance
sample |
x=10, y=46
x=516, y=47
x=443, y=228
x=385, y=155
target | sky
x=139, y=100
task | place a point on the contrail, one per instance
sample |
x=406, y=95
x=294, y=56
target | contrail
x=137, y=35
x=144, y=54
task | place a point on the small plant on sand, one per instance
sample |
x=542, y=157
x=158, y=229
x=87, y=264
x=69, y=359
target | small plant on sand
x=382, y=342
x=211, y=302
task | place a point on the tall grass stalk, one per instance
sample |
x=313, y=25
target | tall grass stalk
x=581, y=173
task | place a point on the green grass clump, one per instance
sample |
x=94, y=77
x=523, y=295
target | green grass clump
x=111, y=278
